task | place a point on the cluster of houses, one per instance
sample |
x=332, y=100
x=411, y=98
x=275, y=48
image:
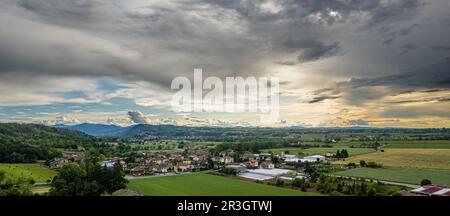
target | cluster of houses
x=193, y=157
x=67, y=158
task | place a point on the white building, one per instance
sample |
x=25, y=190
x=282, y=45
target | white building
x=108, y=163
x=313, y=158
x=264, y=174
x=286, y=156
x=292, y=160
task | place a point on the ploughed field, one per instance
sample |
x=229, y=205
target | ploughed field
x=201, y=184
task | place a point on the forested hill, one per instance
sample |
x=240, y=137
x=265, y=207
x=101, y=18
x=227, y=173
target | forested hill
x=31, y=142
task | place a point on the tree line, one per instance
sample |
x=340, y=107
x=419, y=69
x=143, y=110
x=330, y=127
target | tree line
x=26, y=143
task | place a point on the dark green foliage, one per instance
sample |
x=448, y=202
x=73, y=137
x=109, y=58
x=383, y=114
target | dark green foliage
x=362, y=163
x=26, y=143
x=228, y=171
x=300, y=183
x=17, y=187
x=341, y=154
x=279, y=182
x=71, y=181
x=314, y=170
x=351, y=165
x=90, y=179
x=333, y=185
x=425, y=182
x=344, y=153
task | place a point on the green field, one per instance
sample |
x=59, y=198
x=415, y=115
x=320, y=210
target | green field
x=200, y=184
x=320, y=150
x=38, y=172
x=404, y=175
x=423, y=158
x=437, y=144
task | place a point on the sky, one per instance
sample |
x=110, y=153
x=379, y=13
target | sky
x=377, y=63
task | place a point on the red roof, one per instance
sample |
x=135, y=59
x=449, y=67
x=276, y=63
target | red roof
x=447, y=194
x=431, y=189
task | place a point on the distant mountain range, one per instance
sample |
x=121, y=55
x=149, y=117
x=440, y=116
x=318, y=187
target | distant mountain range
x=98, y=130
x=172, y=131
x=146, y=131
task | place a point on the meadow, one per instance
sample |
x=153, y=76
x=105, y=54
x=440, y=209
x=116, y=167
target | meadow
x=320, y=150
x=201, y=184
x=36, y=171
x=437, y=144
x=406, y=157
x=404, y=175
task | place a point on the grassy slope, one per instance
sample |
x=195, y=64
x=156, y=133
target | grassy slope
x=38, y=172
x=405, y=175
x=205, y=184
x=408, y=157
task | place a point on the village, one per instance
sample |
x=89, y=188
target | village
x=246, y=165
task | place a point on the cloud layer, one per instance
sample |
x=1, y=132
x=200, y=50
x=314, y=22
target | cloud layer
x=338, y=58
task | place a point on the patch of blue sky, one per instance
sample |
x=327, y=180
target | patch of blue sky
x=73, y=95
x=110, y=85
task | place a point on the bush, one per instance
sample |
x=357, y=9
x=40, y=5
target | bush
x=372, y=164
x=351, y=165
x=362, y=163
x=31, y=181
x=228, y=171
x=279, y=183
x=300, y=183
x=425, y=182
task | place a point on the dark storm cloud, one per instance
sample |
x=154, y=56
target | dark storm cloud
x=322, y=98
x=68, y=10
x=137, y=117
x=317, y=52
x=392, y=11
x=441, y=48
x=432, y=90
x=409, y=46
x=295, y=16
x=430, y=76
x=287, y=63
x=102, y=38
x=310, y=50
x=406, y=48
x=378, y=11
x=437, y=99
x=428, y=79
x=393, y=35
x=388, y=41
x=83, y=38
